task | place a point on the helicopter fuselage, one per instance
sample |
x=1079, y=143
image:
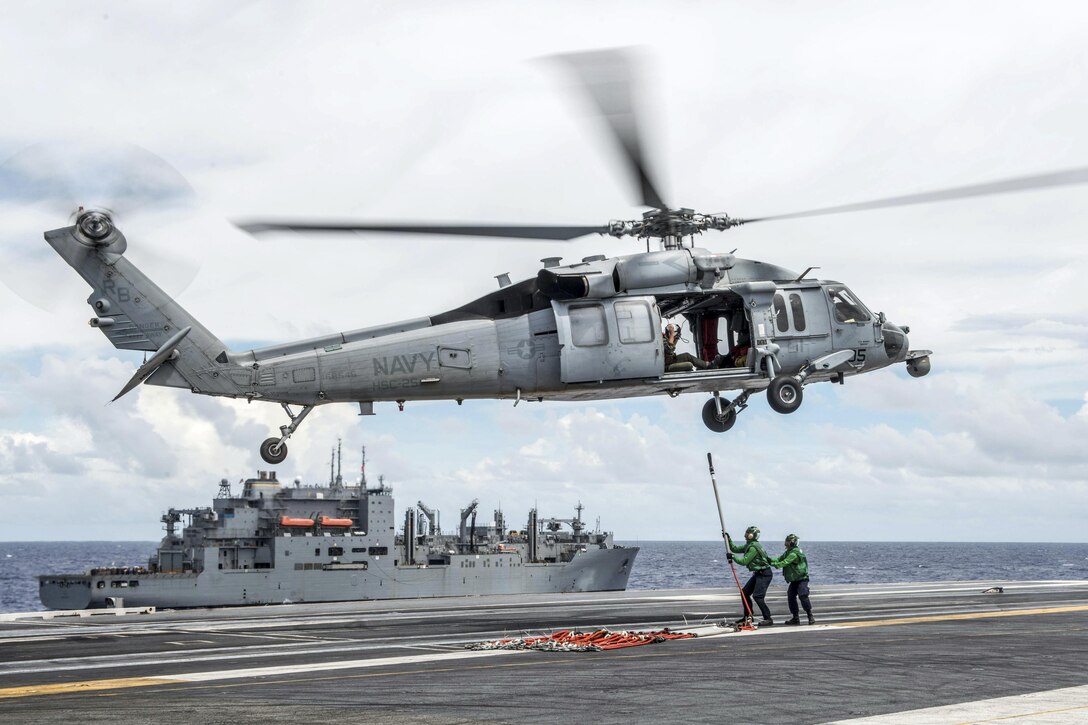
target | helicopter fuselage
x=586, y=331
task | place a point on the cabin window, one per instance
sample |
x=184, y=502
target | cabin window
x=336, y=551
x=378, y=550
x=847, y=307
x=781, y=319
x=798, y=312
x=587, y=326
x=358, y=549
x=634, y=321
x=317, y=552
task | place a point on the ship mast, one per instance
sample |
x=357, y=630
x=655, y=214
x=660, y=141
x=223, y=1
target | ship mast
x=362, y=470
x=335, y=479
x=339, y=478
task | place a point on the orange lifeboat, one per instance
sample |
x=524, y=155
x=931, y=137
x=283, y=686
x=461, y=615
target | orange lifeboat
x=288, y=521
x=328, y=521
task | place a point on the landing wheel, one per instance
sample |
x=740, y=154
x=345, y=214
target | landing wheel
x=272, y=451
x=784, y=394
x=715, y=422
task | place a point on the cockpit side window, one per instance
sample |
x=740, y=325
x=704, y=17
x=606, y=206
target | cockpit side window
x=847, y=307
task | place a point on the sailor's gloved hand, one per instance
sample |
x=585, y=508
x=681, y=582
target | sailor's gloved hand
x=729, y=556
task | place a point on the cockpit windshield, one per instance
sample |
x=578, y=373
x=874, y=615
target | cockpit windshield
x=847, y=307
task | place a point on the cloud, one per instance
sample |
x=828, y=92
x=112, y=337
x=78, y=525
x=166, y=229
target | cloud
x=441, y=117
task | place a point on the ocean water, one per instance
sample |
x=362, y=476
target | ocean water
x=677, y=564
x=660, y=564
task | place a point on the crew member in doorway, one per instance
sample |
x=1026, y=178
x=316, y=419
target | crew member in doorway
x=794, y=566
x=675, y=362
x=740, y=352
x=752, y=555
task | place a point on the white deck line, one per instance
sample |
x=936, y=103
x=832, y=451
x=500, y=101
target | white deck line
x=333, y=666
x=1050, y=707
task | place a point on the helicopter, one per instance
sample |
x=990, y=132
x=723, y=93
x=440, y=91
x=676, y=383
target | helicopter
x=589, y=330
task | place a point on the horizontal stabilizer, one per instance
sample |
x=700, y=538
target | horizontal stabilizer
x=161, y=355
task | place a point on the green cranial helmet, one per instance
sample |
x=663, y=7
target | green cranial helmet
x=752, y=531
x=791, y=540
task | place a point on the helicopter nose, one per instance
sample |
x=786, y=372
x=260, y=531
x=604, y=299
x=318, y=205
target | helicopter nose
x=895, y=342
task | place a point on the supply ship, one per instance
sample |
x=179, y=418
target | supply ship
x=275, y=543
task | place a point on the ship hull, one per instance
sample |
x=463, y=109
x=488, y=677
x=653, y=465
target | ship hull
x=593, y=570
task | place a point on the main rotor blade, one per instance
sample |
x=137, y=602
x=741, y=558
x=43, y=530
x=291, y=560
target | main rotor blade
x=1068, y=177
x=557, y=233
x=606, y=77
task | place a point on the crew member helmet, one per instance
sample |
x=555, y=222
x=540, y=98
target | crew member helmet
x=791, y=540
x=753, y=532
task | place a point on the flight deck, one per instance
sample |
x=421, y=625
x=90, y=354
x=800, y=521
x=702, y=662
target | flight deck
x=939, y=652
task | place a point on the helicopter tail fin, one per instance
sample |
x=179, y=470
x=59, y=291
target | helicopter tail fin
x=135, y=314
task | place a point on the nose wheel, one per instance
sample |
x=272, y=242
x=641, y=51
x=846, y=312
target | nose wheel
x=784, y=394
x=274, y=450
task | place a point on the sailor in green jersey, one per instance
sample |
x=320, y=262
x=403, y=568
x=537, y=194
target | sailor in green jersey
x=752, y=555
x=794, y=566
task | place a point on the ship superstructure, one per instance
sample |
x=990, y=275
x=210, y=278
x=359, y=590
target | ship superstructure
x=273, y=543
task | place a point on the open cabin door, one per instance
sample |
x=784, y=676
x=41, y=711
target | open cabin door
x=612, y=339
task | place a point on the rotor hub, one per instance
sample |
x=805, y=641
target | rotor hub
x=95, y=226
x=671, y=225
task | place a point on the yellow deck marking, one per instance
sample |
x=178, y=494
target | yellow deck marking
x=86, y=686
x=94, y=685
x=1023, y=715
x=953, y=617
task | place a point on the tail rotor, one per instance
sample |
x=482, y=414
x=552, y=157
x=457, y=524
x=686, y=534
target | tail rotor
x=98, y=186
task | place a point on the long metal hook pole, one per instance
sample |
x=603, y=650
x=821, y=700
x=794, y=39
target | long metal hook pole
x=725, y=540
x=717, y=499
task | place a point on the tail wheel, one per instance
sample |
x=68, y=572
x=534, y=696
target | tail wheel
x=784, y=394
x=715, y=422
x=273, y=452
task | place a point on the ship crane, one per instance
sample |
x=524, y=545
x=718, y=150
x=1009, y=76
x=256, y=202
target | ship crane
x=464, y=532
x=432, y=517
x=576, y=524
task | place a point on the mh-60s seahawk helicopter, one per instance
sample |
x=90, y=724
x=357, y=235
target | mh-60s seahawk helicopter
x=583, y=331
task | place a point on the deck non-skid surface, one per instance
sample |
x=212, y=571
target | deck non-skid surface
x=920, y=653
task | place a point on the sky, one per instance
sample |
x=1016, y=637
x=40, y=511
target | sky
x=452, y=112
